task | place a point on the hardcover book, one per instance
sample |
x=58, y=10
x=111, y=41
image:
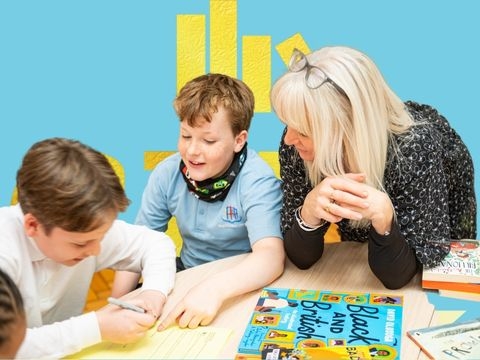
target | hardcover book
x=312, y=324
x=460, y=340
x=462, y=264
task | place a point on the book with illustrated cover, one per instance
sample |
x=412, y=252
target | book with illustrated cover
x=459, y=340
x=310, y=324
x=462, y=264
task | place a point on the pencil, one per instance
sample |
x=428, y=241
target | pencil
x=126, y=305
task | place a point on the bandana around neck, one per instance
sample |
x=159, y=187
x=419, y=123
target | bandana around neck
x=211, y=190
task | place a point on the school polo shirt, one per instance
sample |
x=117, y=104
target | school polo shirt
x=214, y=230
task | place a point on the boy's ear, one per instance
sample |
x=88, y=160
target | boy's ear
x=31, y=225
x=240, y=140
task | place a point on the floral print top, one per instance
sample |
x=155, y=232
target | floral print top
x=431, y=186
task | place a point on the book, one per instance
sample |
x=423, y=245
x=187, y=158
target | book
x=312, y=324
x=450, y=285
x=458, y=340
x=462, y=263
x=463, y=295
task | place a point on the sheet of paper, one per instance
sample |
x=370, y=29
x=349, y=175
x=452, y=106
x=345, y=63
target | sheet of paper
x=173, y=343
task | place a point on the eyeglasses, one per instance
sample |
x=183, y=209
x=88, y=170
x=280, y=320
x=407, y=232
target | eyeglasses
x=314, y=76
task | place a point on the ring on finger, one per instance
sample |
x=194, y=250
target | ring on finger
x=327, y=209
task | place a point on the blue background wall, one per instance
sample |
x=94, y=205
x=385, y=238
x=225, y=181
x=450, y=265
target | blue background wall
x=104, y=71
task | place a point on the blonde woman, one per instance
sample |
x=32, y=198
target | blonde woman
x=389, y=173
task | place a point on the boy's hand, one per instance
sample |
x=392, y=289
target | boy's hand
x=120, y=325
x=151, y=300
x=199, y=307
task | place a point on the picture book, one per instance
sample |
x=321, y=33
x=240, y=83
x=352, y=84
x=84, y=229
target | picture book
x=311, y=324
x=459, y=340
x=462, y=264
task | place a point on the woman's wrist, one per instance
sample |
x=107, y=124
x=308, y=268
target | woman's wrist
x=303, y=224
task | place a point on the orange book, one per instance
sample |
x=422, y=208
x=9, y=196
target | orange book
x=448, y=285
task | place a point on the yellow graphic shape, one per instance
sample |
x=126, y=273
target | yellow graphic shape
x=118, y=168
x=191, y=40
x=152, y=158
x=116, y=165
x=256, y=69
x=223, y=37
x=286, y=47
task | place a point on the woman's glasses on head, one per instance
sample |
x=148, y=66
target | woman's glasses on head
x=314, y=76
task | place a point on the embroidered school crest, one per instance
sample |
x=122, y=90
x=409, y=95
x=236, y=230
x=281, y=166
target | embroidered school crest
x=231, y=214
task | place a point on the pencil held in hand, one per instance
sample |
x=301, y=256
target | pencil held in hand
x=126, y=305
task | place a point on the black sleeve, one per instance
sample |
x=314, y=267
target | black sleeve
x=304, y=248
x=391, y=259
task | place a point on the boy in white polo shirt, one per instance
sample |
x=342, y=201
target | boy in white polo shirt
x=63, y=230
x=225, y=198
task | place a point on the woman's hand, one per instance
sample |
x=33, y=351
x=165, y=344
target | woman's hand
x=348, y=197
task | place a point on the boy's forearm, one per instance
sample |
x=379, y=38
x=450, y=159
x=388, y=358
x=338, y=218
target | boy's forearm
x=124, y=282
x=258, y=269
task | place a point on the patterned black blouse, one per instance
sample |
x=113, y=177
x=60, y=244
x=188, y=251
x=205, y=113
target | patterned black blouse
x=431, y=186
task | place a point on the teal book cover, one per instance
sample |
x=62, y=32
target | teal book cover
x=302, y=324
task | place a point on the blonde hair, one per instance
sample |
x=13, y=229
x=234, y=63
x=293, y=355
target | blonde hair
x=350, y=127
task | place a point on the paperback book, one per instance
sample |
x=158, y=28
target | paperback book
x=462, y=264
x=460, y=340
x=312, y=324
x=453, y=286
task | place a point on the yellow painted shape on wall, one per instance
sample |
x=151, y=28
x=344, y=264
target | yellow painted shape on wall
x=223, y=37
x=118, y=168
x=191, y=49
x=152, y=158
x=286, y=47
x=257, y=69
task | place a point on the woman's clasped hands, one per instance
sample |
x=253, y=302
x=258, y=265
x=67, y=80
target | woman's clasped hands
x=348, y=197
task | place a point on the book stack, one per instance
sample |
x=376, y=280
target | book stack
x=458, y=275
x=316, y=324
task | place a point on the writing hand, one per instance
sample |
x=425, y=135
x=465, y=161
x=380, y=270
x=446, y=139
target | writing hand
x=123, y=326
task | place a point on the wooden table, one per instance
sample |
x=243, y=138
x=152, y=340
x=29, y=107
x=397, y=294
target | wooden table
x=343, y=267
